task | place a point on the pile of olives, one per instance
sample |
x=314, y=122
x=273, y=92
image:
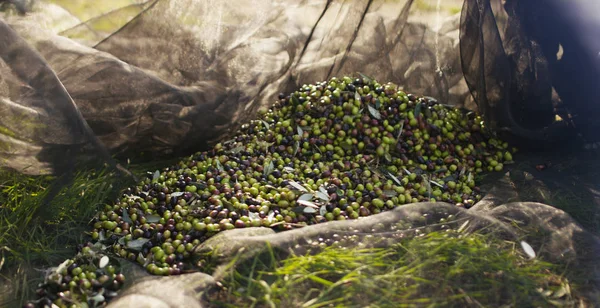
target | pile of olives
x=90, y=279
x=334, y=150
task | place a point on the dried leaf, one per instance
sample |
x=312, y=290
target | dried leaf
x=298, y=186
x=463, y=226
x=308, y=203
x=374, y=112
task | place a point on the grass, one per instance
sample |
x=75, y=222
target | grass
x=435, y=270
x=449, y=269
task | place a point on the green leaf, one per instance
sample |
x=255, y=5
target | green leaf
x=136, y=245
x=309, y=210
x=267, y=126
x=323, y=210
x=322, y=196
x=268, y=168
x=219, y=166
x=295, y=100
x=374, y=113
x=365, y=78
x=152, y=218
x=300, y=131
x=418, y=109
x=395, y=179
x=377, y=103
x=156, y=175
x=308, y=203
x=306, y=197
x=126, y=217
x=298, y=186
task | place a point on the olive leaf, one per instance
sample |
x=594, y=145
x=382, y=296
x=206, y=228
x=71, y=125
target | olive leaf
x=267, y=126
x=528, y=249
x=308, y=203
x=103, y=262
x=395, y=179
x=295, y=100
x=418, y=109
x=96, y=299
x=296, y=147
x=306, y=197
x=390, y=193
x=152, y=218
x=126, y=217
x=323, y=210
x=156, y=175
x=365, y=78
x=357, y=96
x=268, y=168
x=136, y=245
x=406, y=170
x=309, y=210
x=300, y=131
x=374, y=113
x=288, y=169
x=377, y=103
x=400, y=131
x=322, y=196
x=298, y=186
x=436, y=184
x=323, y=190
x=219, y=166
x=237, y=149
x=177, y=194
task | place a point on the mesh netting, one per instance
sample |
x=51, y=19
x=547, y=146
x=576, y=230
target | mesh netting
x=82, y=85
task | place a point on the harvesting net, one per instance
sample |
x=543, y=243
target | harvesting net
x=276, y=141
